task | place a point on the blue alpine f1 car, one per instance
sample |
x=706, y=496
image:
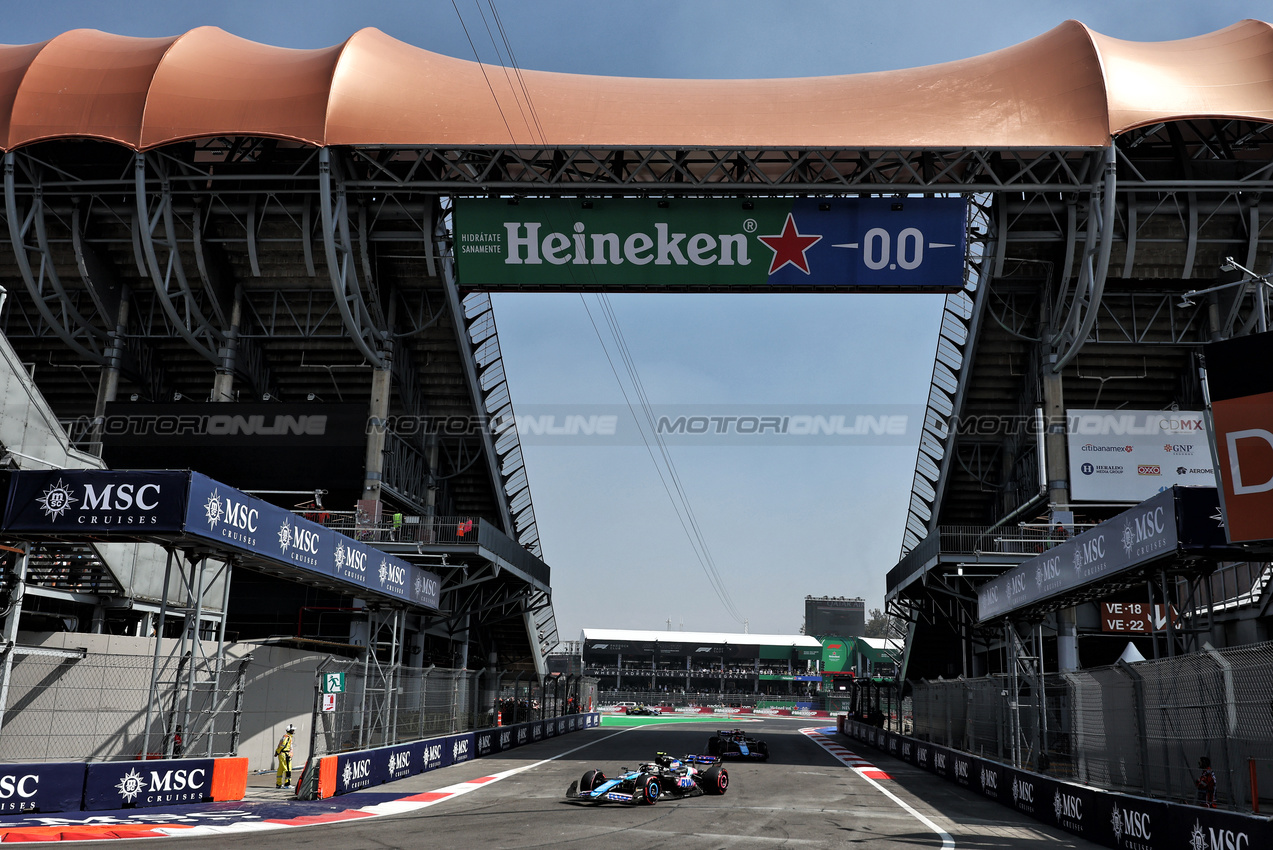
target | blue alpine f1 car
x=666, y=776
x=736, y=744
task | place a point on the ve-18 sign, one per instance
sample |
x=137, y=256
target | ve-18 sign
x=703, y=245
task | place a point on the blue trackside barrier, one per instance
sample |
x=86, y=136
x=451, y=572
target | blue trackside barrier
x=41, y=787
x=348, y=772
x=1120, y=821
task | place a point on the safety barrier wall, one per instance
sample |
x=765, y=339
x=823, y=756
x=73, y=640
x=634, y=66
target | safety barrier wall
x=68, y=786
x=1114, y=820
x=348, y=772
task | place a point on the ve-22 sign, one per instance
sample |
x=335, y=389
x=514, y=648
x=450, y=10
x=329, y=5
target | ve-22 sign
x=703, y=245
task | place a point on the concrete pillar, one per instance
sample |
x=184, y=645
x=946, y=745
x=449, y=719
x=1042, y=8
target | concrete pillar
x=378, y=415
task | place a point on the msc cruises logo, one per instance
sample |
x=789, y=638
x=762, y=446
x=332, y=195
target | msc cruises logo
x=212, y=508
x=132, y=784
x=285, y=535
x=56, y=500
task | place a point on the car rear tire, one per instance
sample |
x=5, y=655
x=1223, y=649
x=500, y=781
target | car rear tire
x=716, y=780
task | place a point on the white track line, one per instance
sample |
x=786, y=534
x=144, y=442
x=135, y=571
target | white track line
x=836, y=749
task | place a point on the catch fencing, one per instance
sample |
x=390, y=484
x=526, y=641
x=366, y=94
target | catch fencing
x=1134, y=728
x=65, y=706
x=393, y=705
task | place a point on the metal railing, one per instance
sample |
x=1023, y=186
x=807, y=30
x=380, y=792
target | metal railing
x=972, y=539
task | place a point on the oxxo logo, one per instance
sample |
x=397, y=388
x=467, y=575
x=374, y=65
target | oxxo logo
x=17, y=790
x=1148, y=469
x=1210, y=838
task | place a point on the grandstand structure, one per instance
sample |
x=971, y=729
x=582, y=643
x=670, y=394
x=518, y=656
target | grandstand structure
x=202, y=223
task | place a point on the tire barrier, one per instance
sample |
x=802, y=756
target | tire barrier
x=348, y=772
x=63, y=787
x=1120, y=821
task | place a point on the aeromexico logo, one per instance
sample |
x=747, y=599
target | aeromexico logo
x=101, y=505
x=351, y=562
x=297, y=543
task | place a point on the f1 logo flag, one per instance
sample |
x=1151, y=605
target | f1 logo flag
x=1241, y=390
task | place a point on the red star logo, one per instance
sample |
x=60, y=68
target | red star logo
x=789, y=247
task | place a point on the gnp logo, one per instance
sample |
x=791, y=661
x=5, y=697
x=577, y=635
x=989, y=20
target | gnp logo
x=1178, y=448
x=17, y=792
x=1210, y=838
x=1132, y=829
x=1148, y=469
x=164, y=786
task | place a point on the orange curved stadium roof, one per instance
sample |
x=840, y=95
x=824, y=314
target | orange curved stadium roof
x=1070, y=87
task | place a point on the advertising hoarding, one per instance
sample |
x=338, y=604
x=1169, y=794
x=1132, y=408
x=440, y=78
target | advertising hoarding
x=1129, y=455
x=765, y=244
x=1241, y=389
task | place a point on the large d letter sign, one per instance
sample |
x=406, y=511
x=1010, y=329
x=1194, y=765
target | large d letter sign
x=1242, y=413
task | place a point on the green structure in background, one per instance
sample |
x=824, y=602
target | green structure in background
x=837, y=654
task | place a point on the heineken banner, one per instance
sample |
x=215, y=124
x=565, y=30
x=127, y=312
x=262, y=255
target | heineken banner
x=681, y=244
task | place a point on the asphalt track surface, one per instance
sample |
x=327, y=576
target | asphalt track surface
x=804, y=796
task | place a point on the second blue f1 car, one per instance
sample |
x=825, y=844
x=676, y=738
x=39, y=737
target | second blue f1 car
x=691, y=776
x=735, y=744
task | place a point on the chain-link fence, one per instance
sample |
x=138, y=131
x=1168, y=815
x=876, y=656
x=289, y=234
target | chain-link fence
x=379, y=706
x=1137, y=728
x=63, y=706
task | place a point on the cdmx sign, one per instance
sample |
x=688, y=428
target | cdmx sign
x=773, y=244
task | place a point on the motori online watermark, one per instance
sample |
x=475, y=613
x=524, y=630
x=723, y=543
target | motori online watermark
x=560, y=424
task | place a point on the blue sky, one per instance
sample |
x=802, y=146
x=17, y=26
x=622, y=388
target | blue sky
x=781, y=521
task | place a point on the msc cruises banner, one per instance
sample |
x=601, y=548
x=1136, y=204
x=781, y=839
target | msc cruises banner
x=771, y=244
x=221, y=513
x=1144, y=533
x=96, y=502
x=108, y=503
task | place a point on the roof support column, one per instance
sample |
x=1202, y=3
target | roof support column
x=377, y=425
x=223, y=383
x=108, y=381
